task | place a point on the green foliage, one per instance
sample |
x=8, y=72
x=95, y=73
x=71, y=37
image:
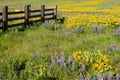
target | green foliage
x=17, y=46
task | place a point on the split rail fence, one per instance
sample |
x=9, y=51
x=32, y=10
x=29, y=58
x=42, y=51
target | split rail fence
x=42, y=14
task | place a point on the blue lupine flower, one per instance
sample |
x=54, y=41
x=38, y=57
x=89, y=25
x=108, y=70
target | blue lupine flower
x=110, y=76
x=95, y=28
x=117, y=77
x=83, y=67
x=94, y=78
x=101, y=28
x=70, y=59
x=99, y=77
x=104, y=77
x=37, y=53
x=64, y=64
x=60, y=61
x=113, y=46
x=81, y=76
x=88, y=77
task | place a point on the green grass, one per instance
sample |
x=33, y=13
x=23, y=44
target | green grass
x=24, y=2
x=21, y=44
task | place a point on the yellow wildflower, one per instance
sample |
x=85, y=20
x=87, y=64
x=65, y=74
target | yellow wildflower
x=99, y=61
x=74, y=55
x=106, y=60
x=44, y=68
x=80, y=63
x=87, y=60
x=99, y=67
x=105, y=69
x=101, y=71
x=91, y=60
x=110, y=67
x=101, y=64
x=95, y=65
x=41, y=74
x=79, y=57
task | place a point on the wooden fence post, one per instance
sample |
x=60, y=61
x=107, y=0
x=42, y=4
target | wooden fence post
x=55, y=12
x=27, y=13
x=43, y=13
x=4, y=18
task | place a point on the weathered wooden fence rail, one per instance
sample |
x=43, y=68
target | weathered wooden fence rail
x=26, y=16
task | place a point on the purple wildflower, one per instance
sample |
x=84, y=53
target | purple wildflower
x=62, y=56
x=83, y=67
x=118, y=30
x=80, y=29
x=64, y=64
x=73, y=31
x=101, y=28
x=81, y=77
x=88, y=77
x=94, y=78
x=110, y=76
x=117, y=77
x=70, y=59
x=37, y=53
x=116, y=34
x=100, y=77
x=95, y=28
x=108, y=48
x=104, y=77
x=113, y=46
x=60, y=61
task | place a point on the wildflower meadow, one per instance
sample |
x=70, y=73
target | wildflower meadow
x=83, y=43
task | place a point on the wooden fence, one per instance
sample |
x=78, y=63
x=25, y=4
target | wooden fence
x=42, y=13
